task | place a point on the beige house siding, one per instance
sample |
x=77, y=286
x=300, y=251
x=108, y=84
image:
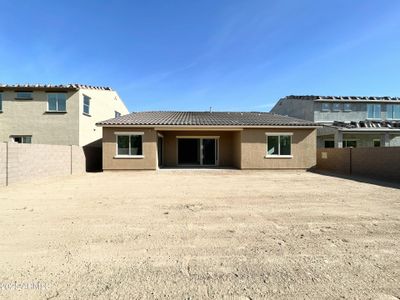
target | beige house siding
x=148, y=162
x=103, y=105
x=237, y=153
x=241, y=149
x=29, y=117
x=253, y=149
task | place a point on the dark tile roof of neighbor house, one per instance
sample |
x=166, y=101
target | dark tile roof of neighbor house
x=186, y=118
x=70, y=86
x=333, y=98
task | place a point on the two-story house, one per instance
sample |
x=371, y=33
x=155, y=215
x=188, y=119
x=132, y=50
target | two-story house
x=348, y=121
x=56, y=114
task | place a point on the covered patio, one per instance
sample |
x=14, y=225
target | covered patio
x=198, y=148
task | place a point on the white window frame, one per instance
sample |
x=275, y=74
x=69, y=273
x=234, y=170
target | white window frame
x=328, y=106
x=349, y=140
x=329, y=140
x=25, y=97
x=374, y=105
x=376, y=140
x=23, y=138
x=347, y=109
x=86, y=105
x=56, y=110
x=338, y=107
x=279, y=134
x=391, y=117
x=127, y=133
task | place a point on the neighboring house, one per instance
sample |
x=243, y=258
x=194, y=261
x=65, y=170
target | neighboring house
x=248, y=140
x=348, y=121
x=56, y=114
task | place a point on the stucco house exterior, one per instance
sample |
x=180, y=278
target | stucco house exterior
x=56, y=114
x=243, y=140
x=348, y=121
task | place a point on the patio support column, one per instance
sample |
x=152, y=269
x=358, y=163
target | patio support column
x=338, y=139
x=386, y=139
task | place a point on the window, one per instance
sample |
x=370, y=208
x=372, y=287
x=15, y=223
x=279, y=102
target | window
x=56, y=102
x=374, y=111
x=336, y=106
x=279, y=144
x=393, y=111
x=349, y=144
x=86, y=105
x=377, y=142
x=22, y=139
x=24, y=96
x=117, y=114
x=1, y=102
x=347, y=107
x=325, y=107
x=329, y=144
x=130, y=144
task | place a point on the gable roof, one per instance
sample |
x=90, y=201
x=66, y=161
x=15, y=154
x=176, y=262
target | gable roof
x=192, y=118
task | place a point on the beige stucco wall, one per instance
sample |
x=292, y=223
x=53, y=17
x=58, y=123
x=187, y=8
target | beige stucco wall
x=148, y=162
x=103, y=105
x=253, y=150
x=241, y=149
x=29, y=117
x=237, y=146
x=226, y=147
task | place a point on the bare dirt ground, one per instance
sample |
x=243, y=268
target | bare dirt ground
x=200, y=234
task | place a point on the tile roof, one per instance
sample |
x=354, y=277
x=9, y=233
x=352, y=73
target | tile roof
x=368, y=124
x=187, y=118
x=365, y=98
x=73, y=86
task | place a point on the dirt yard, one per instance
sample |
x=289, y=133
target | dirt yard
x=200, y=234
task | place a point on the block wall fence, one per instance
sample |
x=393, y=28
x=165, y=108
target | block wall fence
x=380, y=163
x=24, y=162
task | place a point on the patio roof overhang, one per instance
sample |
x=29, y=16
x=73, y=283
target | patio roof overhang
x=228, y=128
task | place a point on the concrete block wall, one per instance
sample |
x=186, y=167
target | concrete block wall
x=24, y=162
x=380, y=163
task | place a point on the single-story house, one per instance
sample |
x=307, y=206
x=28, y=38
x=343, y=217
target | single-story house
x=243, y=140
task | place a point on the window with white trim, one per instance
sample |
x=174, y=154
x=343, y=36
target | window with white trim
x=21, y=139
x=393, y=111
x=86, y=105
x=347, y=107
x=279, y=144
x=22, y=95
x=325, y=106
x=117, y=114
x=57, y=102
x=373, y=111
x=130, y=144
x=329, y=144
x=336, y=106
x=349, y=144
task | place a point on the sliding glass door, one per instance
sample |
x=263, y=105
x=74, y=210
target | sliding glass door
x=194, y=151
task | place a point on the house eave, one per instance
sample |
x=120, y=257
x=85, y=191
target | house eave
x=209, y=127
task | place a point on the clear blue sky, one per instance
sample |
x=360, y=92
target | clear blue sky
x=190, y=55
